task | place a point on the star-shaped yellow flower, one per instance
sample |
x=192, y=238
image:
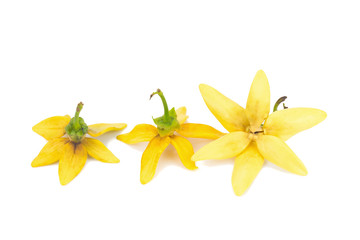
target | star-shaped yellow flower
x=68, y=144
x=166, y=132
x=254, y=135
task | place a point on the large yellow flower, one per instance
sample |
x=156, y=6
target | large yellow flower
x=164, y=134
x=68, y=144
x=254, y=135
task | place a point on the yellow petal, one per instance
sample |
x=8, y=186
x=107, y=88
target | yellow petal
x=50, y=153
x=72, y=162
x=97, y=150
x=98, y=129
x=194, y=130
x=258, y=103
x=150, y=158
x=228, y=113
x=247, y=166
x=185, y=151
x=288, y=122
x=276, y=151
x=53, y=127
x=228, y=146
x=140, y=133
x=181, y=115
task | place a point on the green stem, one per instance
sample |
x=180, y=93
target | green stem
x=280, y=100
x=77, y=113
x=161, y=95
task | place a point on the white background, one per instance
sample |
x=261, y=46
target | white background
x=112, y=54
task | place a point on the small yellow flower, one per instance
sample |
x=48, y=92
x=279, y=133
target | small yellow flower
x=164, y=134
x=254, y=135
x=68, y=144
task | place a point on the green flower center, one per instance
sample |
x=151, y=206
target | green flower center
x=168, y=123
x=77, y=128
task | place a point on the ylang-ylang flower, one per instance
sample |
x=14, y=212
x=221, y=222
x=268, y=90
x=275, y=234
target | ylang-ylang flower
x=170, y=129
x=254, y=135
x=68, y=144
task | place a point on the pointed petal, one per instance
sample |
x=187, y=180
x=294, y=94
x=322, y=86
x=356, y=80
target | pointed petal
x=258, y=103
x=228, y=146
x=53, y=127
x=98, y=129
x=50, y=153
x=228, y=113
x=194, y=130
x=72, y=162
x=97, y=150
x=140, y=133
x=150, y=157
x=181, y=115
x=276, y=151
x=185, y=151
x=247, y=166
x=288, y=122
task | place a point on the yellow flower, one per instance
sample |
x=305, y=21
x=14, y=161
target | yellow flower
x=68, y=144
x=164, y=134
x=254, y=135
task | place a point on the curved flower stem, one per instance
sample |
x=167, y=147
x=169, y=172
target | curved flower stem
x=77, y=113
x=161, y=95
x=280, y=100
